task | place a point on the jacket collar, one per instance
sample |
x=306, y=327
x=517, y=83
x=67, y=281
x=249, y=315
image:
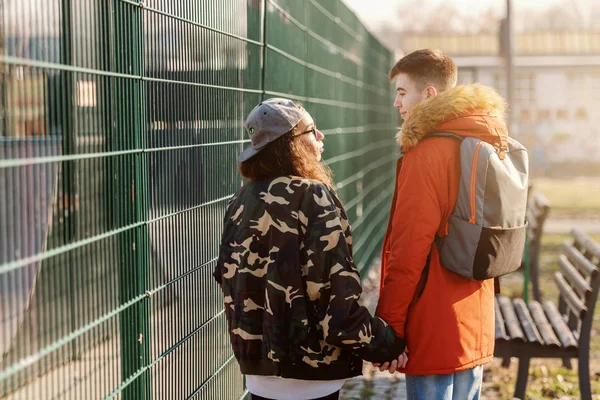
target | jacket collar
x=468, y=110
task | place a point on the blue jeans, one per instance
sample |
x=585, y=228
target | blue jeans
x=464, y=385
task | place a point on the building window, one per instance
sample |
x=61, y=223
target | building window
x=544, y=115
x=581, y=114
x=525, y=116
x=562, y=114
x=86, y=94
x=525, y=88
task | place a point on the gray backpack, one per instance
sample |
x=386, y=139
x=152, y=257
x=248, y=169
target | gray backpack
x=486, y=231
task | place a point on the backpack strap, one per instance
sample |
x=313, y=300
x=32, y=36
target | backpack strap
x=445, y=134
x=437, y=242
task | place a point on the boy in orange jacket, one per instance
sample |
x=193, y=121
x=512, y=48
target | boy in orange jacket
x=446, y=319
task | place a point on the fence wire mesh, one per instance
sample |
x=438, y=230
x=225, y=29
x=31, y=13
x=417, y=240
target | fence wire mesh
x=120, y=125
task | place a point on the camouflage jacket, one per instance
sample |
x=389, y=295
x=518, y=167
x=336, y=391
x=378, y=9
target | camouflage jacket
x=291, y=288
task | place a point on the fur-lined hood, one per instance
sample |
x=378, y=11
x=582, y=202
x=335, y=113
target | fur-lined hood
x=467, y=110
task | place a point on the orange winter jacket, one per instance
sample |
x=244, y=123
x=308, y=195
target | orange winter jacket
x=446, y=319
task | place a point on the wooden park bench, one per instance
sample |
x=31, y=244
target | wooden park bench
x=538, y=208
x=554, y=331
x=537, y=212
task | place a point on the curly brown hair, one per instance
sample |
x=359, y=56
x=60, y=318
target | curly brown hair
x=286, y=156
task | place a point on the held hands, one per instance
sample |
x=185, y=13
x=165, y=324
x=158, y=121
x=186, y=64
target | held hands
x=395, y=364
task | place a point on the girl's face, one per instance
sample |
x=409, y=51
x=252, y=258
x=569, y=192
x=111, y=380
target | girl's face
x=308, y=132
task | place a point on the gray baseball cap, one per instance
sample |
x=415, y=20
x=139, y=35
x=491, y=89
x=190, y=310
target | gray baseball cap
x=269, y=121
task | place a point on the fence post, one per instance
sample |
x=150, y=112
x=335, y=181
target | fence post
x=263, y=40
x=69, y=190
x=131, y=205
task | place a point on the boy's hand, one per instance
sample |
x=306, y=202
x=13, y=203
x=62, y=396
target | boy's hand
x=392, y=366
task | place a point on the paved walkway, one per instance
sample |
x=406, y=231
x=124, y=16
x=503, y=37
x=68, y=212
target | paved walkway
x=374, y=384
x=564, y=225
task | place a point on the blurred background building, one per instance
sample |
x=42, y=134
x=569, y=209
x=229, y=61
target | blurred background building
x=555, y=106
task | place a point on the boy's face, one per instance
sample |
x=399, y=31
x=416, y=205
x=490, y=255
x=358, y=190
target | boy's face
x=408, y=95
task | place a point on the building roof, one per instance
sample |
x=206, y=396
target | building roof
x=528, y=61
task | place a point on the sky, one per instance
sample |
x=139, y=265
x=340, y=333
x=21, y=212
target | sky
x=375, y=12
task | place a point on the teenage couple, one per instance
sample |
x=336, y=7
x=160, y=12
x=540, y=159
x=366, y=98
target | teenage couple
x=285, y=263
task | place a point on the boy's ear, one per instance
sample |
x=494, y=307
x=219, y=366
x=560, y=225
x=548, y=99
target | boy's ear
x=431, y=91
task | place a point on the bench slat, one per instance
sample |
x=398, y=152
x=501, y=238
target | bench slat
x=586, y=242
x=538, y=207
x=578, y=260
x=510, y=319
x=541, y=202
x=499, y=320
x=532, y=236
x=533, y=224
x=543, y=325
x=561, y=329
x=527, y=324
x=536, y=213
x=577, y=281
x=568, y=294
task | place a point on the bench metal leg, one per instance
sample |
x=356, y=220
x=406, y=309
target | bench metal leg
x=567, y=363
x=522, y=376
x=506, y=362
x=535, y=281
x=584, y=376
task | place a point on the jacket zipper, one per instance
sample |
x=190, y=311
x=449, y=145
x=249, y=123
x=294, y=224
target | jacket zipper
x=473, y=219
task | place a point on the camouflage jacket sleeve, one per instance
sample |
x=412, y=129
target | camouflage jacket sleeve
x=217, y=274
x=333, y=283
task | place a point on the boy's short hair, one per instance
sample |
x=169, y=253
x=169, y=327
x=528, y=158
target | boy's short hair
x=427, y=67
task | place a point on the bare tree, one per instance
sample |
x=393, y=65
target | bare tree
x=413, y=16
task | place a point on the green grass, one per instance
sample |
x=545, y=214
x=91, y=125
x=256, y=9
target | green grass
x=576, y=197
x=552, y=243
x=367, y=392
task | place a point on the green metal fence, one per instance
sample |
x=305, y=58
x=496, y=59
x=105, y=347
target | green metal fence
x=120, y=125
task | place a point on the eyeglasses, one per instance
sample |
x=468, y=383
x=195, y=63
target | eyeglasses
x=313, y=130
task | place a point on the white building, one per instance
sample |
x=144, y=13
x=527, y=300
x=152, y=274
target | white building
x=556, y=101
x=555, y=106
